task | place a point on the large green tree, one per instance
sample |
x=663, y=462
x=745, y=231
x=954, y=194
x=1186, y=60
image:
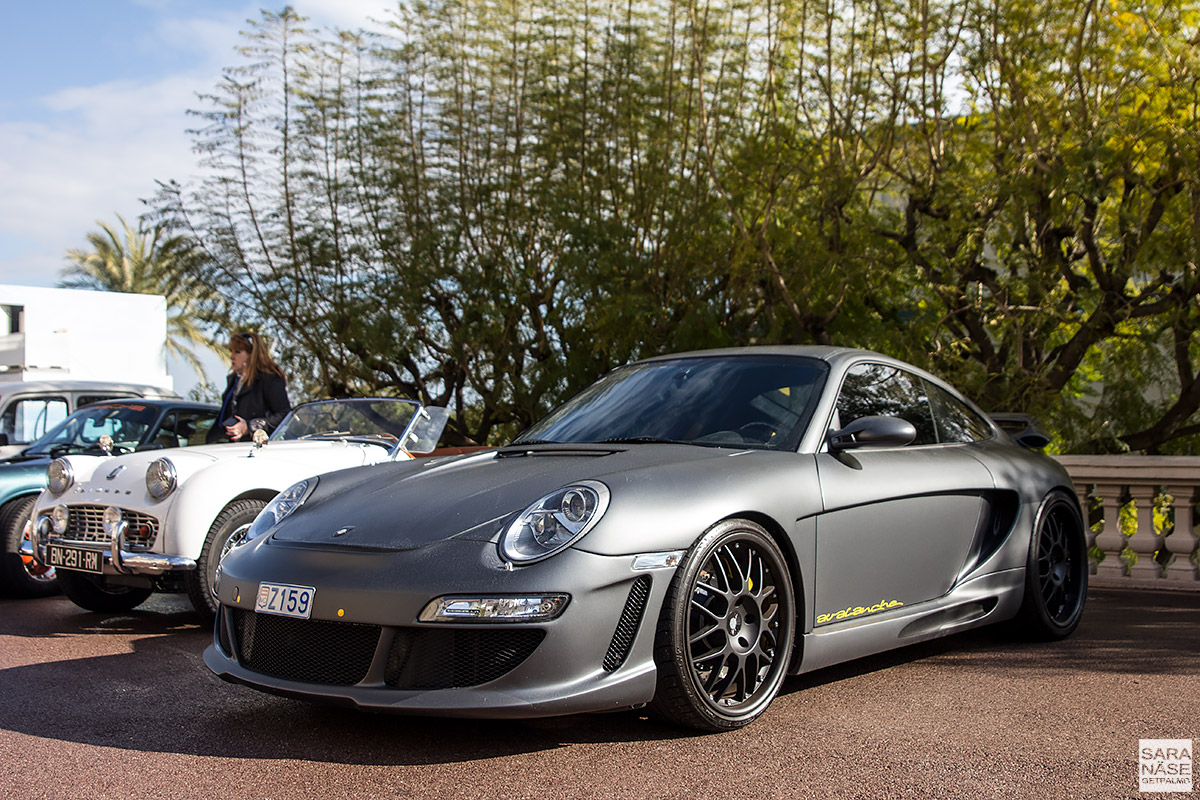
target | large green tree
x=503, y=198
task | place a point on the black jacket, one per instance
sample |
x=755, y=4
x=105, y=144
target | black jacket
x=265, y=399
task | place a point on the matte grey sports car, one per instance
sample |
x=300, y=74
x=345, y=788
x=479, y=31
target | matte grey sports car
x=682, y=534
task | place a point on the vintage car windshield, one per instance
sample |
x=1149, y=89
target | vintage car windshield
x=360, y=418
x=726, y=401
x=127, y=423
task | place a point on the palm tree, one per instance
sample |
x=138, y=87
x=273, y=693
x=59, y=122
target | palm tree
x=141, y=261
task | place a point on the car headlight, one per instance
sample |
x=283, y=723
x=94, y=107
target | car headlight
x=554, y=522
x=59, y=518
x=161, y=478
x=284, y=504
x=111, y=518
x=59, y=475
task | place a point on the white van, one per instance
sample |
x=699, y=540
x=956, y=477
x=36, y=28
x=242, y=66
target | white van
x=30, y=408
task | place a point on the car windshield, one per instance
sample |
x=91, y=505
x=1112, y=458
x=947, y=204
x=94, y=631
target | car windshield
x=367, y=418
x=759, y=401
x=129, y=424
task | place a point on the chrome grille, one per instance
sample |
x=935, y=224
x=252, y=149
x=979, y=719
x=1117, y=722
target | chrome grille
x=86, y=524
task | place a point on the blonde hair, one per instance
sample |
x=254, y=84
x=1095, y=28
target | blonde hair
x=260, y=355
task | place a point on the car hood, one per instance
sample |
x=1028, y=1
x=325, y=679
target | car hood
x=410, y=505
x=126, y=474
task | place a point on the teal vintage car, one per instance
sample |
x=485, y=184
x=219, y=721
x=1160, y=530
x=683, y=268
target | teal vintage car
x=122, y=426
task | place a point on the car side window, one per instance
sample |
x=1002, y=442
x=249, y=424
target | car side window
x=192, y=426
x=29, y=419
x=956, y=422
x=880, y=390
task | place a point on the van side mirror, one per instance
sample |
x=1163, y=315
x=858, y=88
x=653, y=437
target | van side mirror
x=873, y=432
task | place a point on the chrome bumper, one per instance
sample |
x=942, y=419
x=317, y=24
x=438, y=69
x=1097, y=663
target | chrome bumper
x=122, y=561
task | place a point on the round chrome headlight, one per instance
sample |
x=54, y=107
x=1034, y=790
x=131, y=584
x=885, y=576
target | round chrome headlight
x=59, y=475
x=554, y=522
x=160, y=478
x=111, y=519
x=59, y=518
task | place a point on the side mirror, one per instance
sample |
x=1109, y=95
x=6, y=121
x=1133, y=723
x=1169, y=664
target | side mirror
x=873, y=432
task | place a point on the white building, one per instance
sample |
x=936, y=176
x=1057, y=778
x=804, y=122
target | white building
x=54, y=334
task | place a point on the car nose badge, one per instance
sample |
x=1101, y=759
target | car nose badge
x=343, y=531
x=115, y=472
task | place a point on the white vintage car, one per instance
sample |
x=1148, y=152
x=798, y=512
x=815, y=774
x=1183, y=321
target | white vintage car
x=118, y=528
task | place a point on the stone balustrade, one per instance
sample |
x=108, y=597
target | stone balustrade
x=1144, y=555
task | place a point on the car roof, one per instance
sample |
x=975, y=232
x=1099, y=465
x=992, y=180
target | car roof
x=83, y=386
x=154, y=402
x=820, y=352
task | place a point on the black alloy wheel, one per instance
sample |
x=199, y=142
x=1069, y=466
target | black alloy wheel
x=1056, y=571
x=726, y=631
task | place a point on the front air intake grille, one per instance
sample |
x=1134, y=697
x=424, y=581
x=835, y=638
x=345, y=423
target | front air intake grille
x=627, y=626
x=86, y=524
x=442, y=658
x=308, y=650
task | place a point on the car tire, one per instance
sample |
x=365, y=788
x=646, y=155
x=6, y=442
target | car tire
x=18, y=577
x=726, y=630
x=1056, y=572
x=237, y=514
x=97, y=595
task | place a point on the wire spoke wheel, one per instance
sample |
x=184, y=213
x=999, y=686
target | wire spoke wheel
x=727, y=630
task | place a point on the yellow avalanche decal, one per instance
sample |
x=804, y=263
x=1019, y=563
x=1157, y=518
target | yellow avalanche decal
x=858, y=611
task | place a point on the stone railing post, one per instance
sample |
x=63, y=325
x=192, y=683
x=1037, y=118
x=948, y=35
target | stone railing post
x=1081, y=494
x=1144, y=541
x=1182, y=540
x=1137, y=479
x=1110, y=540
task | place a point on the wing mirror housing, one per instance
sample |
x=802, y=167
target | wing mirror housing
x=873, y=432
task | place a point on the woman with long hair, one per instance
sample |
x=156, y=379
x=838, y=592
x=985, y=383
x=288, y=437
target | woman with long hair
x=255, y=394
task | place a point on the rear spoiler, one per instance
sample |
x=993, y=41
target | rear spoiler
x=1024, y=429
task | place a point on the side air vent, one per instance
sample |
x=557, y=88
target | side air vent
x=627, y=626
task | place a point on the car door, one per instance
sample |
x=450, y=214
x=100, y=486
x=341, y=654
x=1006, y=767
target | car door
x=898, y=522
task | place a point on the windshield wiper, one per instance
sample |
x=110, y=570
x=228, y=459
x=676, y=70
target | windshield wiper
x=524, y=442
x=638, y=440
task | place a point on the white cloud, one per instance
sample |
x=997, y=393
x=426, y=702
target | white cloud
x=100, y=148
x=99, y=151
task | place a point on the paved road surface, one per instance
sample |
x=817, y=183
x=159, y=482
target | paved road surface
x=121, y=706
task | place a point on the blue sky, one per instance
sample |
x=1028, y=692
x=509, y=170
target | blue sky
x=94, y=97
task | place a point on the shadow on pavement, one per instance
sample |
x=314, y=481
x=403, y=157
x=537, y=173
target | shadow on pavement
x=160, y=698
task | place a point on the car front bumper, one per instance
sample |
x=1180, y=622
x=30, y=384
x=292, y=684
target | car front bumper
x=115, y=558
x=364, y=647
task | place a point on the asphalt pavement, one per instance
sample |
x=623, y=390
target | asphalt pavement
x=121, y=706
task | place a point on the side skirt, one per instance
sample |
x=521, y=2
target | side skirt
x=981, y=601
